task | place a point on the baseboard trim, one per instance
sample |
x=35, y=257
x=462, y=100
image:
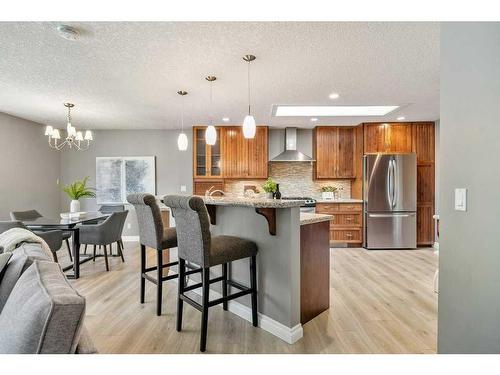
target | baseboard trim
x=287, y=334
x=130, y=238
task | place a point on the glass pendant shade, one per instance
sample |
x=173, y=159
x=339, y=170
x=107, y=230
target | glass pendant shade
x=56, y=134
x=48, y=130
x=182, y=142
x=79, y=136
x=211, y=135
x=249, y=127
x=88, y=136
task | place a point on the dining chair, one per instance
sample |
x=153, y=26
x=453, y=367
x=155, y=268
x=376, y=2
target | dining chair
x=104, y=234
x=34, y=214
x=53, y=238
x=110, y=208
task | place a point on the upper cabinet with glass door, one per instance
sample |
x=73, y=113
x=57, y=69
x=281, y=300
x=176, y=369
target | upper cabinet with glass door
x=206, y=158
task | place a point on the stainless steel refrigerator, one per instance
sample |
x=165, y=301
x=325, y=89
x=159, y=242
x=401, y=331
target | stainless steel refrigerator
x=390, y=201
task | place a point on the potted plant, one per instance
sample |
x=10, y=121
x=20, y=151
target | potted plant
x=327, y=192
x=77, y=190
x=270, y=188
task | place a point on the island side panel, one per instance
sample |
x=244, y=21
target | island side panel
x=314, y=270
x=278, y=260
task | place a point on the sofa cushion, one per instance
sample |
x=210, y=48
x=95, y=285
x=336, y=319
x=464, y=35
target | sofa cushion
x=43, y=313
x=22, y=258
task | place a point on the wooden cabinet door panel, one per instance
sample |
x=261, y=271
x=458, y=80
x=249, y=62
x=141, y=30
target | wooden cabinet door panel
x=424, y=141
x=327, y=208
x=345, y=235
x=374, y=138
x=326, y=139
x=425, y=224
x=350, y=207
x=348, y=219
x=257, y=154
x=425, y=183
x=399, y=137
x=344, y=156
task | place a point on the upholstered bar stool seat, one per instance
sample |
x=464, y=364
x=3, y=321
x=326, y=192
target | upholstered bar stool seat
x=226, y=249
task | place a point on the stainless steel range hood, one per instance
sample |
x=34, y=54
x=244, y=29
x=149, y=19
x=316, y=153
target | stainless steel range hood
x=291, y=153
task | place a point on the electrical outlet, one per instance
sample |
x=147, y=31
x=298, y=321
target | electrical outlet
x=183, y=188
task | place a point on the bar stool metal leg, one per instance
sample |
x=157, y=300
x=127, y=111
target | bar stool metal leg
x=253, y=287
x=180, y=302
x=143, y=270
x=204, y=313
x=159, y=272
x=224, y=285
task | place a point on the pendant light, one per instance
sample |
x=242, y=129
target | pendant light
x=249, y=127
x=211, y=133
x=182, y=140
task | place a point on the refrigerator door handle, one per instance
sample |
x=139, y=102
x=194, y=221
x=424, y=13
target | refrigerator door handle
x=393, y=176
x=392, y=215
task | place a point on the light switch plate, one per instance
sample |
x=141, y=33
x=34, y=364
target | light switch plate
x=183, y=188
x=461, y=199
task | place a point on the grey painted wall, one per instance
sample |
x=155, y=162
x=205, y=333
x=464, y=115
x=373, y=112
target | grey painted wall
x=29, y=169
x=469, y=297
x=173, y=167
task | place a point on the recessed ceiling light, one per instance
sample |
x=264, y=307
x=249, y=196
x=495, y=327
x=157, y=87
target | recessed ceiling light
x=334, y=95
x=332, y=110
x=400, y=118
x=314, y=119
x=68, y=32
x=225, y=119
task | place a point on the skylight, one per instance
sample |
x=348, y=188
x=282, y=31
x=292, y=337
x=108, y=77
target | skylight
x=332, y=110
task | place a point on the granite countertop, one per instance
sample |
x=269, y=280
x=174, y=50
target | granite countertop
x=252, y=202
x=310, y=218
x=340, y=200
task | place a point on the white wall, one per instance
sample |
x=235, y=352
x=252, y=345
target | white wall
x=29, y=168
x=469, y=296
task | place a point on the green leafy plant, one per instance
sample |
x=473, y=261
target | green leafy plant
x=328, y=189
x=269, y=186
x=79, y=189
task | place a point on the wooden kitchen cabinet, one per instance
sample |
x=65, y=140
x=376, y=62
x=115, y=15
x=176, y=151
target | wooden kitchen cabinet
x=207, y=159
x=244, y=158
x=334, y=150
x=347, y=222
x=387, y=138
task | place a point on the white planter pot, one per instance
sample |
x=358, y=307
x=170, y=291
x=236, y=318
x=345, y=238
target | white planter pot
x=327, y=195
x=74, y=206
x=269, y=195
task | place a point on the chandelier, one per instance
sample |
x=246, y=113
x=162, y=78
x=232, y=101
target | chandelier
x=74, y=139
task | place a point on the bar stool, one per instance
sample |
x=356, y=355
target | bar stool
x=196, y=245
x=152, y=234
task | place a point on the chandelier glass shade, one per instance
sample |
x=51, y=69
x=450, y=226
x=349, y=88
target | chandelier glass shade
x=211, y=132
x=75, y=139
x=249, y=127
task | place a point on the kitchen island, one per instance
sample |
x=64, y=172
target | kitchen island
x=293, y=260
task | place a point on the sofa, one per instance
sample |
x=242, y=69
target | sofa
x=40, y=312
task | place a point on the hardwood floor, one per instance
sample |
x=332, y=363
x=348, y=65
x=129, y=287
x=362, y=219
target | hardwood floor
x=381, y=302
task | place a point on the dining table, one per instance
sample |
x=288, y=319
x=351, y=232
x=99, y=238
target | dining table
x=71, y=224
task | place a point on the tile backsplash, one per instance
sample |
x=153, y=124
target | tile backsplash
x=295, y=179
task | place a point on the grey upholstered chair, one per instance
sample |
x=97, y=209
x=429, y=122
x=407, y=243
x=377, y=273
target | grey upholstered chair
x=154, y=235
x=197, y=245
x=34, y=214
x=53, y=238
x=104, y=233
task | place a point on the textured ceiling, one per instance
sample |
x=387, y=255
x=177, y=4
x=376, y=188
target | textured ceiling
x=124, y=75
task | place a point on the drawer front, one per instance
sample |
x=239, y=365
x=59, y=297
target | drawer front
x=345, y=235
x=327, y=208
x=350, y=207
x=348, y=220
